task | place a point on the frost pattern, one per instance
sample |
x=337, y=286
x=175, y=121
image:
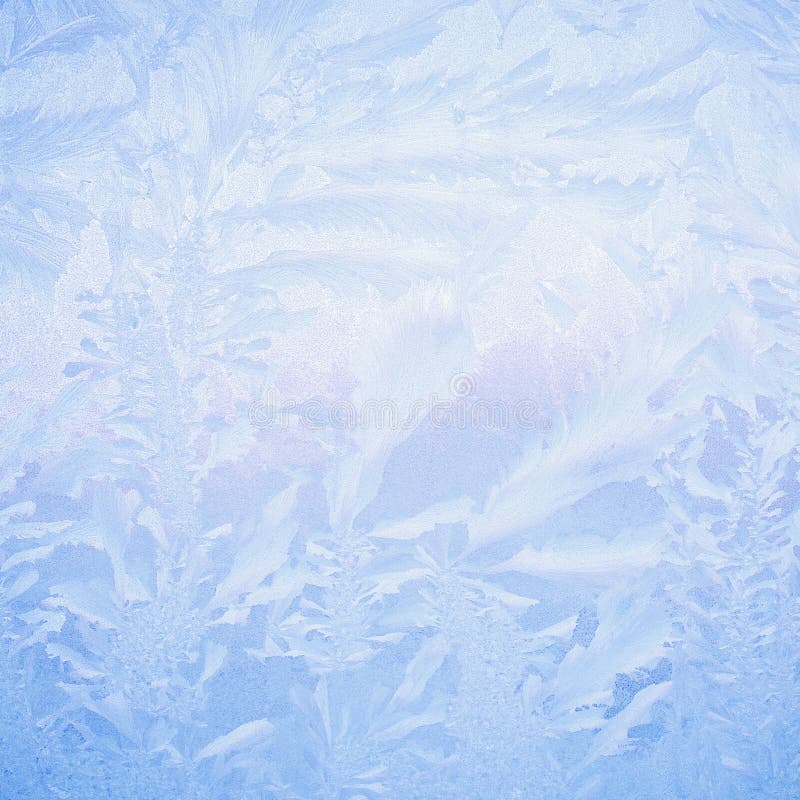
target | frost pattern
x=589, y=205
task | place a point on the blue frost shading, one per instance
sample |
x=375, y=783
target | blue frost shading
x=399, y=400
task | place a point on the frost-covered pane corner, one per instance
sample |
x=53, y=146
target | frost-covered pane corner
x=399, y=400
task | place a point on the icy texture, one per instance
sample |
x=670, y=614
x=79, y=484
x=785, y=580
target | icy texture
x=210, y=211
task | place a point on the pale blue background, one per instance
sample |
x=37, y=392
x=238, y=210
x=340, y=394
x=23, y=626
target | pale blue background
x=592, y=206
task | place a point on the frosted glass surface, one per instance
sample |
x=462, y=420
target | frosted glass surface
x=399, y=400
